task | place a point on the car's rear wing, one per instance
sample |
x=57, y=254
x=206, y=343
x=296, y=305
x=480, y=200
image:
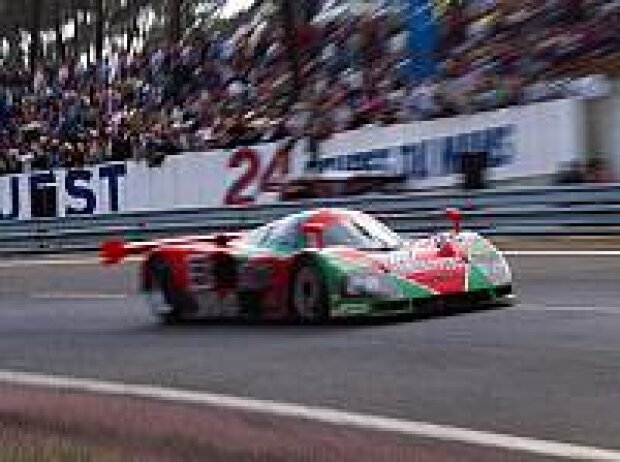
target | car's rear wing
x=115, y=251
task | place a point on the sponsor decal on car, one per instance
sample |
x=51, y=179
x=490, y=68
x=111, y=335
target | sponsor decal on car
x=407, y=263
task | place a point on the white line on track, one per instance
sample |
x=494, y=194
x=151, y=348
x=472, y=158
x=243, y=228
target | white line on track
x=561, y=253
x=51, y=262
x=320, y=415
x=586, y=309
x=87, y=261
x=77, y=296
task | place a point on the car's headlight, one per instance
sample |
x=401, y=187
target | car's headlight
x=497, y=270
x=486, y=257
x=493, y=264
x=370, y=284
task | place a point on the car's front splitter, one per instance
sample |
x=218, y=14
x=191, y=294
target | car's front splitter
x=434, y=304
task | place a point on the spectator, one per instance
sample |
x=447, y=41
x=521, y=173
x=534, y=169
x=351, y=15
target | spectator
x=222, y=91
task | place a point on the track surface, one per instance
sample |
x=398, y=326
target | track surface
x=546, y=368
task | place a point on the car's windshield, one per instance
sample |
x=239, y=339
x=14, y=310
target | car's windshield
x=355, y=229
x=282, y=234
x=363, y=232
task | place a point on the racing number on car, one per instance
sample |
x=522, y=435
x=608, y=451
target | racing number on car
x=266, y=180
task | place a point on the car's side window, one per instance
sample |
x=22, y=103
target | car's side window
x=286, y=235
x=259, y=236
x=336, y=235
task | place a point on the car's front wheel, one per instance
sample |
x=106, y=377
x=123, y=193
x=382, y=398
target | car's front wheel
x=308, y=293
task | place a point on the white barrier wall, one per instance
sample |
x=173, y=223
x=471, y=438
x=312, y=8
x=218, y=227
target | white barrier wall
x=603, y=117
x=522, y=142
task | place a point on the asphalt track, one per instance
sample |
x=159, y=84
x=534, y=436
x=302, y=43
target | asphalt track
x=547, y=368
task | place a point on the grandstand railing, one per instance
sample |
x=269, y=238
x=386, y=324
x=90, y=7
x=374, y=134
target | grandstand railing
x=531, y=211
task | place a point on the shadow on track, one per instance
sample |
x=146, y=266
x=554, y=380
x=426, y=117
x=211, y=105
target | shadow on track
x=333, y=324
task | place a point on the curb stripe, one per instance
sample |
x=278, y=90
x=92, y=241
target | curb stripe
x=319, y=414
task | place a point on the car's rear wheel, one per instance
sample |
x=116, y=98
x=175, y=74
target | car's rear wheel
x=168, y=304
x=308, y=293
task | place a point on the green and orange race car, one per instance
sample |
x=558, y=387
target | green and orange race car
x=316, y=265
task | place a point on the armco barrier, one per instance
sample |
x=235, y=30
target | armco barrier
x=529, y=211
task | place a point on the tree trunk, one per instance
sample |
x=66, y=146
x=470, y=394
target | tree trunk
x=290, y=25
x=35, y=34
x=174, y=11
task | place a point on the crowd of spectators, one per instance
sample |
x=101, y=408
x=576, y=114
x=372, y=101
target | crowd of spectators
x=216, y=91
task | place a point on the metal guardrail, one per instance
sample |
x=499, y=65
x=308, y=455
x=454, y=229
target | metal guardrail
x=531, y=211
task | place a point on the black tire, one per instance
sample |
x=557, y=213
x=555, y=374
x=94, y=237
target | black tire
x=308, y=294
x=160, y=279
x=250, y=302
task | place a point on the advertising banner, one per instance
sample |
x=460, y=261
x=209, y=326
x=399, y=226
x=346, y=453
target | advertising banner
x=520, y=142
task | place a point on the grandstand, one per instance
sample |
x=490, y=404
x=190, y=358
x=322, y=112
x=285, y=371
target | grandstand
x=89, y=81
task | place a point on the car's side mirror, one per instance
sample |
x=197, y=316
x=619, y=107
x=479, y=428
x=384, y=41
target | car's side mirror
x=314, y=234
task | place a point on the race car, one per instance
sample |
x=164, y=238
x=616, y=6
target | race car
x=316, y=265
